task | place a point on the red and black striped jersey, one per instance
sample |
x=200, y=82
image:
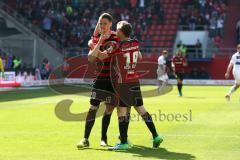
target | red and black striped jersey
x=124, y=61
x=103, y=66
x=179, y=63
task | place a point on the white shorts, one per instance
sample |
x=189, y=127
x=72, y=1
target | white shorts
x=163, y=78
x=237, y=77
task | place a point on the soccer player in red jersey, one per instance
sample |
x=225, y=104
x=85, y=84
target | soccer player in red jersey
x=126, y=82
x=179, y=63
x=102, y=87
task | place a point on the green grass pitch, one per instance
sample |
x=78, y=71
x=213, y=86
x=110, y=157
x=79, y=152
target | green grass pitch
x=30, y=130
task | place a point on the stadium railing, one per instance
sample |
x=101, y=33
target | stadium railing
x=197, y=28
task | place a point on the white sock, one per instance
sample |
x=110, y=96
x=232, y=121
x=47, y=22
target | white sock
x=232, y=89
x=161, y=87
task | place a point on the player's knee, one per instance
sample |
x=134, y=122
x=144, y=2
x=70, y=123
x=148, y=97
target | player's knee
x=179, y=82
x=141, y=110
x=109, y=109
x=121, y=111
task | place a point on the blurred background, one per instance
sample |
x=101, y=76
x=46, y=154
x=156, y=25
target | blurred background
x=38, y=36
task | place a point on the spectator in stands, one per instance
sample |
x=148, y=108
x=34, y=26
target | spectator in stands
x=179, y=44
x=65, y=68
x=220, y=25
x=4, y=60
x=192, y=23
x=1, y=66
x=37, y=74
x=212, y=27
x=133, y=4
x=217, y=41
x=47, y=24
x=44, y=69
x=198, y=49
x=19, y=3
x=182, y=20
x=47, y=67
x=69, y=10
x=17, y=62
x=238, y=31
x=125, y=15
x=149, y=17
x=141, y=5
x=202, y=6
x=69, y=23
x=182, y=48
x=211, y=13
x=200, y=22
x=158, y=10
x=10, y=62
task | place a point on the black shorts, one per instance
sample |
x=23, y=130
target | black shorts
x=180, y=76
x=129, y=94
x=102, y=91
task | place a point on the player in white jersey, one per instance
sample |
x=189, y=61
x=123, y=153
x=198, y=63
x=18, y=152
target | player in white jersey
x=234, y=65
x=162, y=70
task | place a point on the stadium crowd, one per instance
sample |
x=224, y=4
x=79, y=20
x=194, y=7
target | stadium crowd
x=204, y=15
x=238, y=31
x=70, y=22
x=22, y=69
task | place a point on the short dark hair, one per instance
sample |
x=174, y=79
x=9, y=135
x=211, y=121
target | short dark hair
x=107, y=16
x=126, y=29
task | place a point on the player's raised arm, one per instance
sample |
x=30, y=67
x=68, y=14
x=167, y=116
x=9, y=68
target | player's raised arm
x=92, y=54
x=96, y=53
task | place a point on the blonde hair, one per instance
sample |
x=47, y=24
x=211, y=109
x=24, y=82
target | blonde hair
x=121, y=23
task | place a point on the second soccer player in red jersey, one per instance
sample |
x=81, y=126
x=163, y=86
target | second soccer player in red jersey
x=179, y=63
x=126, y=82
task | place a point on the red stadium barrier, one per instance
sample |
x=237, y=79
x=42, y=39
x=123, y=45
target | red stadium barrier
x=216, y=67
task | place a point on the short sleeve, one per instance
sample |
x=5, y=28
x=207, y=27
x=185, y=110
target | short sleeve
x=233, y=60
x=161, y=61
